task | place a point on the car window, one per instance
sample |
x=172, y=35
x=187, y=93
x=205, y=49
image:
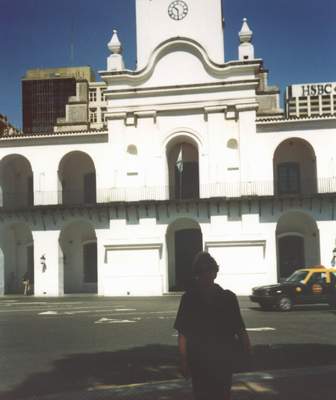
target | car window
x=318, y=277
x=297, y=276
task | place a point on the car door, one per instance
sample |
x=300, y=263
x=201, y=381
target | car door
x=316, y=288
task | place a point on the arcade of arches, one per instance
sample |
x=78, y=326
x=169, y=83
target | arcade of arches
x=298, y=242
x=16, y=181
x=77, y=179
x=183, y=169
x=78, y=244
x=184, y=240
x=18, y=253
x=294, y=166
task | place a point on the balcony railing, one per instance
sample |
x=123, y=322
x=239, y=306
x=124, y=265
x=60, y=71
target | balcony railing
x=227, y=190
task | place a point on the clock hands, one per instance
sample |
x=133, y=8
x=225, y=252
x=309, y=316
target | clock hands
x=177, y=9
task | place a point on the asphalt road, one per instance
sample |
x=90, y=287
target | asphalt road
x=71, y=343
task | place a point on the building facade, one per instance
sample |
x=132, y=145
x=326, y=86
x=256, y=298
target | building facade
x=196, y=154
x=59, y=99
x=311, y=100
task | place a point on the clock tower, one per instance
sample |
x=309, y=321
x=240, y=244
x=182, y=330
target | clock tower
x=160, y=20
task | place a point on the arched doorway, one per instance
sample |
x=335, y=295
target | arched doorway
x=184, y=240
x=77, y=179
x=183, y=169
x=78, y=246
x=297, y=242
x=294, y=166
x=16, y=177
x=18, y=251
x=291, y=254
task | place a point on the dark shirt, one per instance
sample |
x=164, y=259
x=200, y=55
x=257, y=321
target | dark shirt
x=209, y=322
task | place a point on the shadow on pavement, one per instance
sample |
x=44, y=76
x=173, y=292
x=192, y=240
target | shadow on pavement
x=152, y=363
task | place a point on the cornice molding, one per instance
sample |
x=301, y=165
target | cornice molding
x=178, y=43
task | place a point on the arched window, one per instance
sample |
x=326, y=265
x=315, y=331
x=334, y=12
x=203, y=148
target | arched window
x=16, y=179
x=294, y=166
x=77, y=177
x=183, y=165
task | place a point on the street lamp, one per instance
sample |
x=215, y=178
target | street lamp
x=333, y=260
x=43, y=262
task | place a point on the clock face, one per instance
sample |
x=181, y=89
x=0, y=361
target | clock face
x=178, y=10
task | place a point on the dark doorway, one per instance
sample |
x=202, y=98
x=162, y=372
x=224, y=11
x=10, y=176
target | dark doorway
x=90, y=188
x=188, y=243
x=187, y=181
x=291, y=255
x=90, y=263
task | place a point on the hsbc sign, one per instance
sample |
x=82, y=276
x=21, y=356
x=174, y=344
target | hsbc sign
x=313, y=89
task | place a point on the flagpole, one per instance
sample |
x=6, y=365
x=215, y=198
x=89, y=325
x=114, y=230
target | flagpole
x=181, y=171
x=181, y=184
x=179, y=166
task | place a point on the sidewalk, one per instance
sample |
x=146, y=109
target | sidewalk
x=318, y=383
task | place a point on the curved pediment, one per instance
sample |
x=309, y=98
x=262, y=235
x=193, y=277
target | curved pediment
x=177, y=61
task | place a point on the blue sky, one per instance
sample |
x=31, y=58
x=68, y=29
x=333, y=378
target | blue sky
x=296, y=38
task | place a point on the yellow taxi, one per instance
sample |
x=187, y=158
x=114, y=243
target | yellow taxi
x=309, y=285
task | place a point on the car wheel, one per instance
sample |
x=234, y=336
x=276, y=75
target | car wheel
x=285, y=303
x=266, y=307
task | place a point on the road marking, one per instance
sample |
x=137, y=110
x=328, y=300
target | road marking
x=48, y=313
x=262, y=329
x=39, y=303
x=114, y=321
x=125, y=309
x=75, y=312
x=88, y=310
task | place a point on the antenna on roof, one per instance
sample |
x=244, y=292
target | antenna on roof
x=72, y=42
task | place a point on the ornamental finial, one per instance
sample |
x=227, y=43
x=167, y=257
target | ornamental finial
x=114, y=44
x=245, y=34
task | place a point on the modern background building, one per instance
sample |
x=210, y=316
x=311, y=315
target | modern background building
x=311, y=100
x=58, y=99
x=196, y=154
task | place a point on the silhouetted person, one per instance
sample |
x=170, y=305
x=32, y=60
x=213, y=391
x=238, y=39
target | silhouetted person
x=208, y=322
x=27, y=282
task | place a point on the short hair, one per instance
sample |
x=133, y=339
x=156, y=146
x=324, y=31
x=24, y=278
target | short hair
x=203, y=262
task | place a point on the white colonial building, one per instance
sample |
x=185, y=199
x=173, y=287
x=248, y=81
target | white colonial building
x=197, y=154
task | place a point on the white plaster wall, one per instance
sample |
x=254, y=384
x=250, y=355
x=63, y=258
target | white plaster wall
x=327, y=231
x=203, y=24
x=48, y=278
x=265, y=142
x=174, y=69
x=132, y=272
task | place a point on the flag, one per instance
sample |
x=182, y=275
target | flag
x=179, y=161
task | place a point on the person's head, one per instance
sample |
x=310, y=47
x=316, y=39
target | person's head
x=205, y=269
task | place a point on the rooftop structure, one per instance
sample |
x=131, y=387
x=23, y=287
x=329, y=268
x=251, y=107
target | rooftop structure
x=311, y=100
x=57, y=99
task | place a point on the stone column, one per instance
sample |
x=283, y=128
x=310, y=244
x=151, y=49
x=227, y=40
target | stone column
x=327, y=233
x=48, y=265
